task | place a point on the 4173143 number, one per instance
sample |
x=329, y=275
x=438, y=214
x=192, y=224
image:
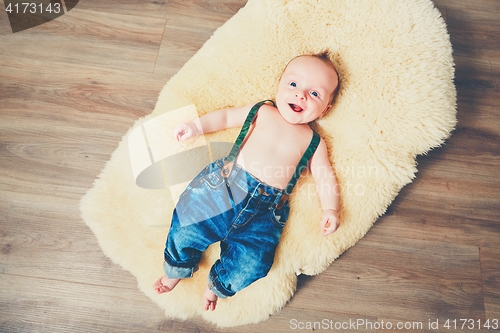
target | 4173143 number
x=33, y=8
x=471, y=324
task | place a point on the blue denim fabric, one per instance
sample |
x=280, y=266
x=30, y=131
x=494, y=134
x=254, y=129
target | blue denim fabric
x=241, y=213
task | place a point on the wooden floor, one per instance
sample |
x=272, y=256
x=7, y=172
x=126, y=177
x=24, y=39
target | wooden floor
x=71, y=88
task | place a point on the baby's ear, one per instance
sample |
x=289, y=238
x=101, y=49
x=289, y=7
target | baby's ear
x=326, y=110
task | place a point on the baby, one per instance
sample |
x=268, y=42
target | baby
x=241, y=200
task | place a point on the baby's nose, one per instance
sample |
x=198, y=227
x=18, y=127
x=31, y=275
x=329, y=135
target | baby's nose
x=300, y=94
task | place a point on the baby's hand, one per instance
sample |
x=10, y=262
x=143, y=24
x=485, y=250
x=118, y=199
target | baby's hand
x=330, y=222
x=185, y=131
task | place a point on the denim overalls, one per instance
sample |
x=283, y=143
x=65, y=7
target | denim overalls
x=227, y=204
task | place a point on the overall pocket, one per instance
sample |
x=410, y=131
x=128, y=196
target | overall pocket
x=212, y=178
x=280, y=216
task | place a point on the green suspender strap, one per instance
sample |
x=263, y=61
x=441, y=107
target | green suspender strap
x=313, y=145
x=229, y=162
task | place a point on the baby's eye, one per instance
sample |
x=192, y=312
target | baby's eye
x=315, y=93
x=293, y=84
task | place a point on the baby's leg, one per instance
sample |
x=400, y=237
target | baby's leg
x=209, y=300
x=165, y=285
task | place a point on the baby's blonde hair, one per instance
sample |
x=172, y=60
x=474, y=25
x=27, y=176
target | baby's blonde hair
x=325, y=57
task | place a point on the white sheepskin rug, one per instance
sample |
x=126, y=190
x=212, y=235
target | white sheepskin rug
x=397, y=100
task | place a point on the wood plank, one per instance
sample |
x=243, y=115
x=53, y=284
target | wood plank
x=78, y=117
x=174, y=54
x=5, y=28
x=490, y=270
x=44, y=305
x=477, y=83
x=92, y=38
x=476, y=125
x=63, y=129
x=469, y=151
x=148, y=9
x=474, y=87
x=477, y=67
x=485, y=6
x=189, y=25
x=200, y=12
x=72, y=160
x=80, y=89
x=41, y=232
x=474, y=32
x=70, y=172
x=411, y=222
x=477, y=19
x=439, y=191
x=392, y=277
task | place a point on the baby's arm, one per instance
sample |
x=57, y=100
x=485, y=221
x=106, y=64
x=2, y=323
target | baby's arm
x=326, y=184
x=212, y=122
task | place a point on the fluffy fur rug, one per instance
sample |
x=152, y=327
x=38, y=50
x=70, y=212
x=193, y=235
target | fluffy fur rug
x=397, y=101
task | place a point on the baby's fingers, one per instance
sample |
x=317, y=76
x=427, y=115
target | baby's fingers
x=334, y=225
x=327, y=230
x=325, y=225
x=329, y=226
x=180, y=131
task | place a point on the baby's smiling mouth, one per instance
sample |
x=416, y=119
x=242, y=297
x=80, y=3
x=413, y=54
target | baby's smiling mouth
x=295, y=107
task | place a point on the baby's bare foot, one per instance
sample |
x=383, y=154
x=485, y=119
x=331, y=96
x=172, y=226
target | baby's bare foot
x=165, y=285
x=209, y=300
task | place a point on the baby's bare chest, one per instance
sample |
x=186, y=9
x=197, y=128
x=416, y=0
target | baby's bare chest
x=272, y=150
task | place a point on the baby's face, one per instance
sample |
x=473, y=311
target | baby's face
x=305, y=90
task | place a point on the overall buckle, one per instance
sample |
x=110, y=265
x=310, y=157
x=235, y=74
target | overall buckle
x=282, y=201
x=226, y=169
